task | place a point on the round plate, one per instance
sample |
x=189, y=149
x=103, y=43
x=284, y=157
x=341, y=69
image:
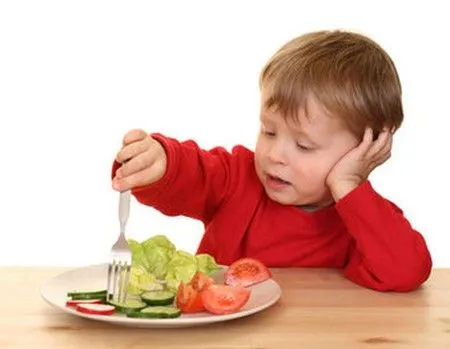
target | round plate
x=55, y=290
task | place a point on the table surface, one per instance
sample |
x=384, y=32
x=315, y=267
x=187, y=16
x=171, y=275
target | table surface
x=319, y=308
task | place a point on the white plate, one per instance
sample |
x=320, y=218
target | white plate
x=55, y=290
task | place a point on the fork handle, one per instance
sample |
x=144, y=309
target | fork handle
x=124, y=209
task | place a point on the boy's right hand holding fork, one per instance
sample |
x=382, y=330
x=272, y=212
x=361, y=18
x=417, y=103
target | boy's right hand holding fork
x=143, y=161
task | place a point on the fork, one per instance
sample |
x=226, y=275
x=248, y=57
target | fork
x=119, y=267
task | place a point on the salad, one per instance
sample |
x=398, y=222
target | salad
x=156, y=263
x=166, y=282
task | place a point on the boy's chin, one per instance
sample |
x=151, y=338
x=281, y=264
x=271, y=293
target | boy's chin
x=282, y=199
x=291, y=201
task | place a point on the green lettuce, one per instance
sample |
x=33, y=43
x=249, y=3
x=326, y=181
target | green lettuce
x=141, y=281
x=138, y=257
x=158, y=251
x=181, y=267
x=206, y=264
x=156, y=261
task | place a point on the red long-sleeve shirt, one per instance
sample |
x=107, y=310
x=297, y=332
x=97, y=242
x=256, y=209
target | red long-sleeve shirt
x=363, y=233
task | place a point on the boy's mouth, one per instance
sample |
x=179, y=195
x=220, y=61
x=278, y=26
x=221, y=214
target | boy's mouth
x=277, y=179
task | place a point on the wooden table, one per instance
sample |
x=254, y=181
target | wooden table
x=318, y=309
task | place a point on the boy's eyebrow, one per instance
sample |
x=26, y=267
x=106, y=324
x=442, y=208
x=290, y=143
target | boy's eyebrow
x=264, y=116
x=295, y=129
x=305, y=136
x=266, y=119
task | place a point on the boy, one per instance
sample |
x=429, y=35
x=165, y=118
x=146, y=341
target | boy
x=330, y=104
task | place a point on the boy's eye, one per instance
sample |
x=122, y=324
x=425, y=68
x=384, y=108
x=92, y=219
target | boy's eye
x=303, y=147
x=269, y=133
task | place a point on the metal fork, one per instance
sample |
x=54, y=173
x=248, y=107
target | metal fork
x=119, y=267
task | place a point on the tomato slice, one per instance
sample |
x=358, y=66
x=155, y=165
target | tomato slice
x=188, y=300
x=224, y=299
x=201, y=281
x=246, y=272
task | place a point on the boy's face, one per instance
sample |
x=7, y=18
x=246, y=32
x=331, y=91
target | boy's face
x=293, y=159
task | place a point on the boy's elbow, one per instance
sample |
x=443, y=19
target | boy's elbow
x=407, y=276
x=395, y=276
x=409, y=282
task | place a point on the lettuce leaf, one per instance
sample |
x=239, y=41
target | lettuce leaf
x=138, y=257
x=182, y=267
x=158, y=252
x=206, y=264
x=156, y=261
x=141, y=281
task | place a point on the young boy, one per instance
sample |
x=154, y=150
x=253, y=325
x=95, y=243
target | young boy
x=330, y=104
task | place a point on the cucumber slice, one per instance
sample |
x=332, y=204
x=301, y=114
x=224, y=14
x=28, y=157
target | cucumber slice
x=158, y=297
x=85, y=294
x=156, y=312
x=131, y=305
x=88, y=297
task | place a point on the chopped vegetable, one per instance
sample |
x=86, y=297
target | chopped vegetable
x=201, y=281
x=129, y=306
x=141, y=281
x=188, y=299
x=246, y=272
x=206, y=264
x=158, y=251
x=163, y=297
x=75, y=302
x=182, y=267
x=157, y=264
x=157, y=312
x=96, y=309
x=166, y=282
x=224, y=299
x=86, y=294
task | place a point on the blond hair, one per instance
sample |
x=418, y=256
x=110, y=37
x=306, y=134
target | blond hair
x=350, y=75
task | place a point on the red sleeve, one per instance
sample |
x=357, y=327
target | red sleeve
x=195, y=183
x=387, y=254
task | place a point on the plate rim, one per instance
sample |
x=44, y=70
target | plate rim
x=156, y=323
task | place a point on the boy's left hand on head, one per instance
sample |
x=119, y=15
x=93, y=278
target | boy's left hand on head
x=356, y=165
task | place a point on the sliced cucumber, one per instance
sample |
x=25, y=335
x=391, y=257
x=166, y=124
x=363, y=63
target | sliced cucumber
x=162, y=297
x=85, y=294
x=129, y=306
x=156, y=312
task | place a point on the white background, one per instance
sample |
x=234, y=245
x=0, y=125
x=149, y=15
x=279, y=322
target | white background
x=76, y=75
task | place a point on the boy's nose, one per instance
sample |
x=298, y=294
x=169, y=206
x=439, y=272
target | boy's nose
x=277, y=153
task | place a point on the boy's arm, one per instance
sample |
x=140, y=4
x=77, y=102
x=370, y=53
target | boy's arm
x=387, y=254
x=195, y=182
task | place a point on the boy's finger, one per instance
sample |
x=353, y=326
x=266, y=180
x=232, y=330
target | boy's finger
x=133, y=136
x=366, y=142
x=388, y=145
x=140, y=178
x=381, y=158
x=380, y=145
x=131, y=150
x=136, y=164
x=385, y=152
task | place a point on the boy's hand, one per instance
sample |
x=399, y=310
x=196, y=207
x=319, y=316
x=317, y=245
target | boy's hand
x=354, y=167
x=143, y=161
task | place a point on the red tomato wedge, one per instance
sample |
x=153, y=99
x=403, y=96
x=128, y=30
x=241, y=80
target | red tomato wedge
x=201, y=281
x=96, y=309
x=75, y=302
x=188, y=300
x=246, y=272
x=224, y=299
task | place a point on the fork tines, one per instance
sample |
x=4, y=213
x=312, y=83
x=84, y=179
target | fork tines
x=119, y=268
x=118, y=280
